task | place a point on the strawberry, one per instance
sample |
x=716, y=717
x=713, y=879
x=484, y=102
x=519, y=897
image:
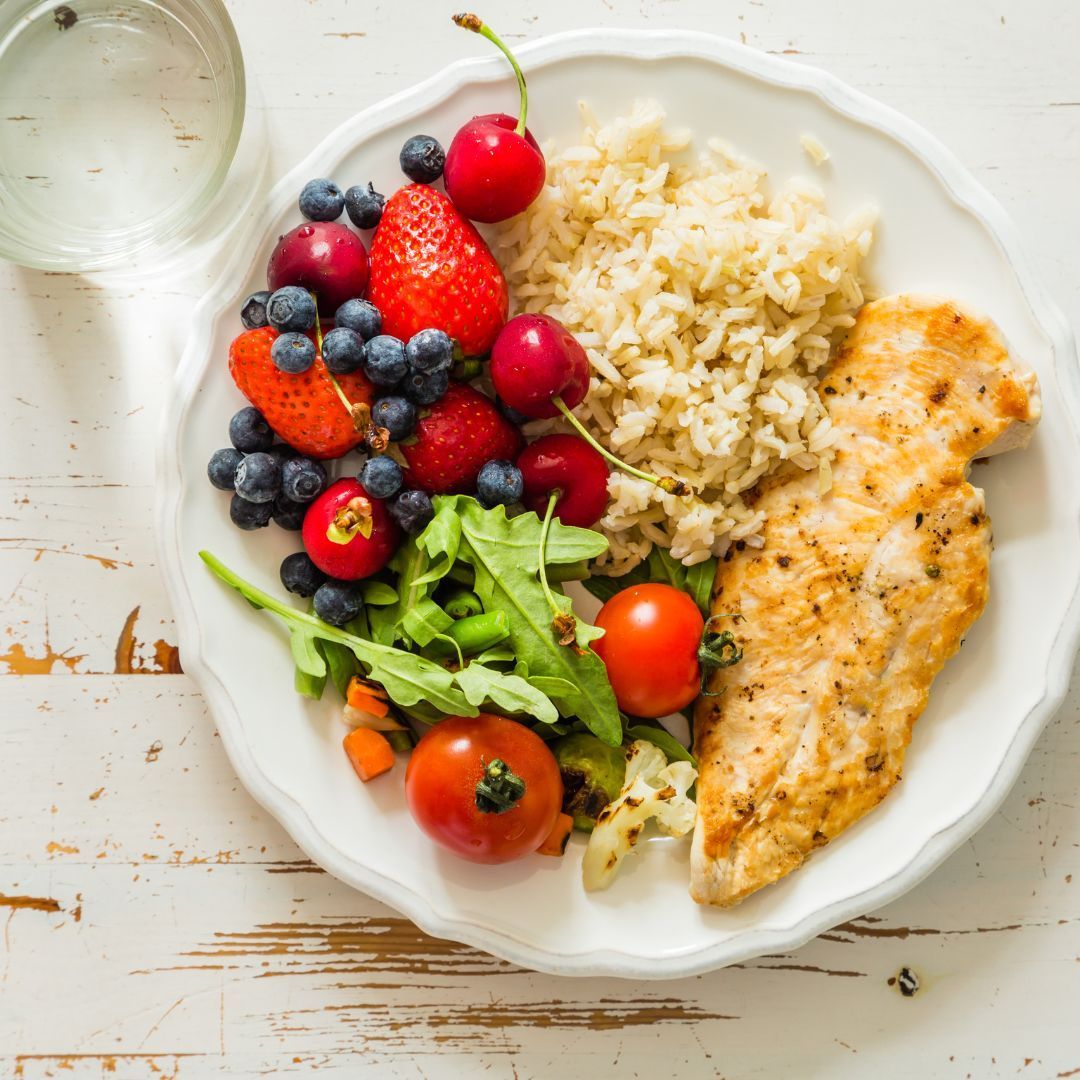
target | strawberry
x=431, y=268
x=455, y=437
x=304, y=409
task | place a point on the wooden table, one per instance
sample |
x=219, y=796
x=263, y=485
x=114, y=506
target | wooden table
x=157, y=923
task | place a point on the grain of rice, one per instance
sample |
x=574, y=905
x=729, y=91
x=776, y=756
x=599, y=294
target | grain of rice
x=706, y=304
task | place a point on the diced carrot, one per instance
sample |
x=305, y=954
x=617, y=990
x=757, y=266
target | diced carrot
x=369, y=752
x=367, y=697
x=559, y=836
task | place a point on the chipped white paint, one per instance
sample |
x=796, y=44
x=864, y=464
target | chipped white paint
x=156, y=922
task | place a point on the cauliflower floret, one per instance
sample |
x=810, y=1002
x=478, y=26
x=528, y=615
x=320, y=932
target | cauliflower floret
x=652, y=789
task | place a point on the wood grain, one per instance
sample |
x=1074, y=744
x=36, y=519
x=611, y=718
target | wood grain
x=157, y=923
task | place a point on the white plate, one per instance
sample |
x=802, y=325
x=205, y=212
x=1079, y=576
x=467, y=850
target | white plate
x=939, y=231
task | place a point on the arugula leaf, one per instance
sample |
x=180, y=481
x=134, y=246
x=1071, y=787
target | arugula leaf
x=441, y=537
x=503, y=553
x=341, y=664
x=407, y=678
x=658, y=736
x=310, y=686
x=410, y=562
x=378, y=593
x=425, y=621
x=696, y=580
x=479, y=684
x=604, y=588
x=665, y=569
x=699, y=582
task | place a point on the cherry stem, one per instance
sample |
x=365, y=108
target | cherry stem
x=350, y=407
x=478, y=26
x=563, y=623
x=545, y=528
x=671, y=484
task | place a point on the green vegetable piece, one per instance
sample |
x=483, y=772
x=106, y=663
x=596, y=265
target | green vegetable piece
x=658, y=736
x=699, y=583
x=592, y=776
x=341, y=664
x=472, y=635
x=664, y=569
x=510, y=693
x=503, y=553
x=378, y=593
x=400, y=741
x=577, y=571
x=460, y=603
x=424, y=621
x=410, y=563
x=407, y=678
x=310, y=686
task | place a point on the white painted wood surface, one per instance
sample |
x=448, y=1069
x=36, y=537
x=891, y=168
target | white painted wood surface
x=157, y=923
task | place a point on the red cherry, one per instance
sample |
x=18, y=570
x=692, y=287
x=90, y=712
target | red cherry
x=494, y=167
x=534, y=360
x=325, y=257
x=569, y=465
x=347, y=533
x=540, y=369
x=492, y=172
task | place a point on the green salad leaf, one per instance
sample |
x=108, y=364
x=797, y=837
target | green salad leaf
x=696, y=580
x=503, y=553
x=510, y=692
x=407, y=678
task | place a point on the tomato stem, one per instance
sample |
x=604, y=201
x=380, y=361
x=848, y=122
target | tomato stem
x=671, y=484
x=718, y=649
x=499, y=788
x=478, y=26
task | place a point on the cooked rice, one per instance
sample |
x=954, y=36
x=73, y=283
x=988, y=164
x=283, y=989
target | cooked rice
x=706, y=307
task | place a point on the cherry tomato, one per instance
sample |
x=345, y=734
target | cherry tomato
x=463, y=786
x=650, y=648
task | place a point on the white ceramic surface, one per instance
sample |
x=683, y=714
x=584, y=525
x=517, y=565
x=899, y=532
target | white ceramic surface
x=940, y=231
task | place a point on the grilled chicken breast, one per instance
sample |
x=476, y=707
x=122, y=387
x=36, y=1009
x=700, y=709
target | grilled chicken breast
x=858, y=597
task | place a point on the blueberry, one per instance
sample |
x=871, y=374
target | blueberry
x=293, y=353
x=412, y=510
x=359, y=315
x=511, y=413
x=249, y=432
x=222, y=467
x=397, y=415
x=248, y=515
x=302, y=479
x=342, y=350
x=253, y=310
x=422, y=159
x=381, y=477
x=425, y=389
x=364, y=206
x=385, y=364
x=300, y=575
x=282, y=452
x=291, y=308
x=336, y=602
x=499, y=483
x=288, y=514
x=321, y=200
x=258, y=478
x=430, y=350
